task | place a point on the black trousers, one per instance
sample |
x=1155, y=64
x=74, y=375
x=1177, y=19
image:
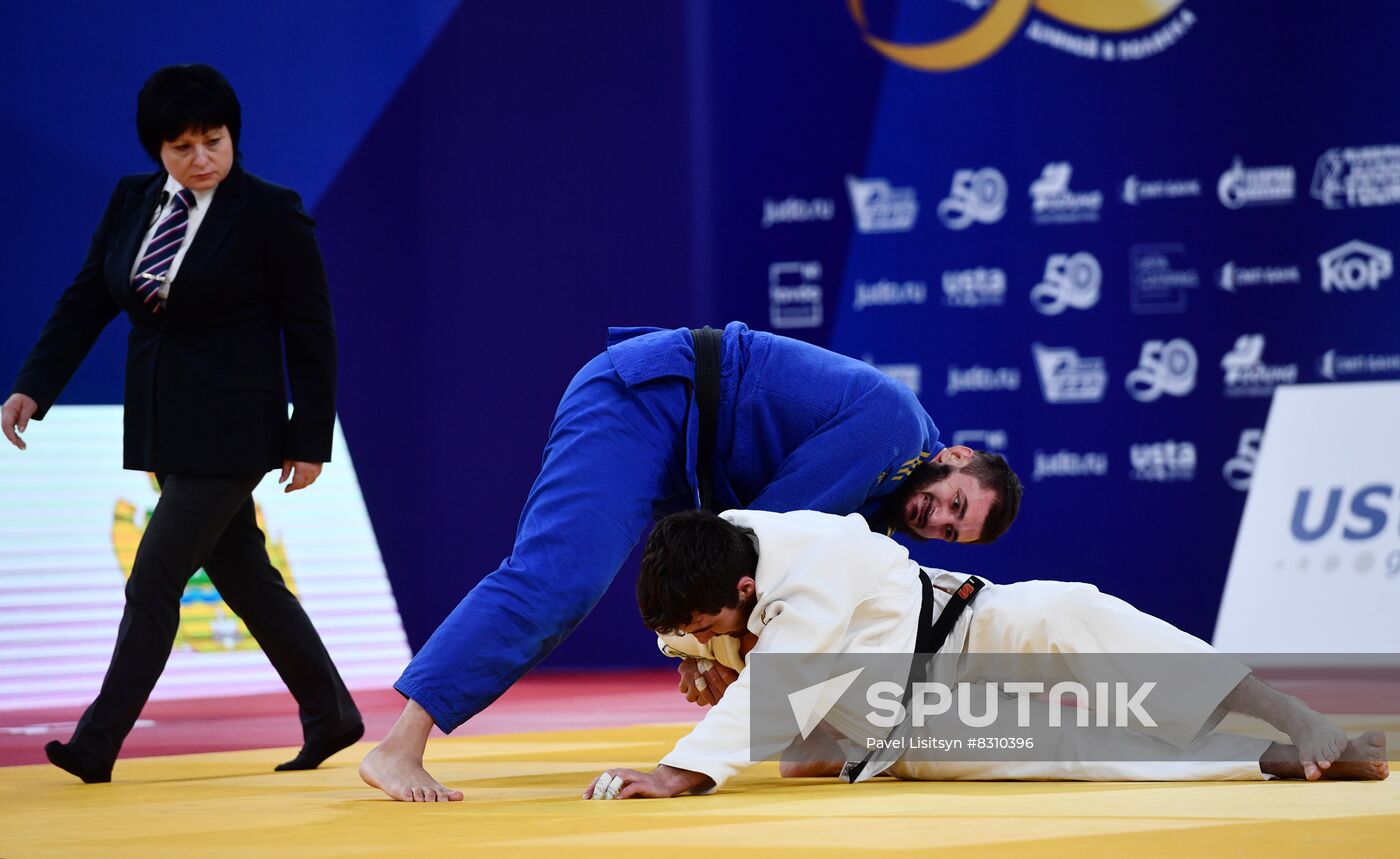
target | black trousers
x=209, y=522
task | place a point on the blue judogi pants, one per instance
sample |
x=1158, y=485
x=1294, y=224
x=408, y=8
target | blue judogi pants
x=614, y=455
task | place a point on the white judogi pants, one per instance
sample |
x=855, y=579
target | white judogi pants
x=1041, y=617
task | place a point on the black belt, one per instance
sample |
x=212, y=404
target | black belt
x=930, y=639
x=709, y=354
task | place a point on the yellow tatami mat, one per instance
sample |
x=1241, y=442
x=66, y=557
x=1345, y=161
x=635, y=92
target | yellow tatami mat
x=522, y=799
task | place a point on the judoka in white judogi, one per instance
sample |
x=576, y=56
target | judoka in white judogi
x=826, y=584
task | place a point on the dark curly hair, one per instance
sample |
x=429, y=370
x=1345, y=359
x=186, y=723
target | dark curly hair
x=692, y=564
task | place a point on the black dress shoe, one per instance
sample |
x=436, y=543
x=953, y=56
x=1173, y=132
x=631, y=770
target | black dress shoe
x=63, y=757
x=313, y=752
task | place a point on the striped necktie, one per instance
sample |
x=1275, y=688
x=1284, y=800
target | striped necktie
x=160, y=253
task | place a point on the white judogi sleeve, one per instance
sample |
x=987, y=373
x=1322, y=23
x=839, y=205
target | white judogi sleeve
x=815, y=571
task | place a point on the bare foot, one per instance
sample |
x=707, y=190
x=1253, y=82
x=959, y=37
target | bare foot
x=401, y=776
x=395, y=766
x=1362, y=759
x=1318, y=741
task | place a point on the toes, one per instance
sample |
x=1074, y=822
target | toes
x=1310, y=771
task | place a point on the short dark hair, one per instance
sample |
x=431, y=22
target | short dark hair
x=177, y=99
x=693, y=563
x=992, y=471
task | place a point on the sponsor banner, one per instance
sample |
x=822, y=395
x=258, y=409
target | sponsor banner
x=1322, y=522
x=982, y=379
x=1233, y=277
x=1067, y=377
x=994, y=440
x=977, y=197
x=1164, y=367
x=954, y=706
x=1053, y=202
x=1335, y=367
x=880, y=207
x=1070, y=281
x=1068, y=463
x=974, y=287
x=795, y=294
x=1135, y=191
x=1355, y=266
x=1156, y=284
x=1239, y=469
x=795, y=210
x=889, y=293
x=1162, y=461
x=1358, y=177
x=1246, y=374
x=1242, y=186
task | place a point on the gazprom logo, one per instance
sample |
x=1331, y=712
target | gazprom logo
x=1369, y=510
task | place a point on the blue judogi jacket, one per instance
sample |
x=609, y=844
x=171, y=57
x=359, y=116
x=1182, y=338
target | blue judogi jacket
x=798, y=428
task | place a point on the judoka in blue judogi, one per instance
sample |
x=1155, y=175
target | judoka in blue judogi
x=794, y=427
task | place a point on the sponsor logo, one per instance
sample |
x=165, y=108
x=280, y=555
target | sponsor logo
x=1052, y=201
x=977, y=197
x=1334, y=367
x=1360, y=176
x=795, y=210
x=1071, y=280
x=1246, y=374
x=1067, y=463
x=974, y=287
x=1232, y=277
x=1108, y=35
x=1239, y=469
x=1354, y=266
x=1163, y=461
x=795, y=294
x=881, y=208
x=994, y=440
x=1166, y=367
x=1369, y=510
x=1241, y=186
x=1136, y=191
x=1156, y=286
x=978, y=379
x=888, y=293
x=1066, y=377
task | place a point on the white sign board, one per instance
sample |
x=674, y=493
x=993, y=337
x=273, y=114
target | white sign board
x=70, y=521
x=1316, y=567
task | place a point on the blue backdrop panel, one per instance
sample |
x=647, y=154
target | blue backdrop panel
x=526, y=189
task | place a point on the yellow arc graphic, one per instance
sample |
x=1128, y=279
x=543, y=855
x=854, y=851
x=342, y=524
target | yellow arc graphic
x=1002, y=20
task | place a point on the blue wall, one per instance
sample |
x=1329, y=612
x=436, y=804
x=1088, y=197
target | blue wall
x=496, y=183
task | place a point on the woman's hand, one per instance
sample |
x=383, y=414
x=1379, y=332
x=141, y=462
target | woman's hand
x=14, y=417
x=303, y=474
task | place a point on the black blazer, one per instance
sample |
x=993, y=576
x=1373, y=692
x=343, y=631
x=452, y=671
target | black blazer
x=205, y=389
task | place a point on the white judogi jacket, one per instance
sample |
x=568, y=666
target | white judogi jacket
x=825, y=584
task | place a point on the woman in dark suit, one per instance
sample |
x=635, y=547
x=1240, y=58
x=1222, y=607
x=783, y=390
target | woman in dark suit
x=216, y=270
